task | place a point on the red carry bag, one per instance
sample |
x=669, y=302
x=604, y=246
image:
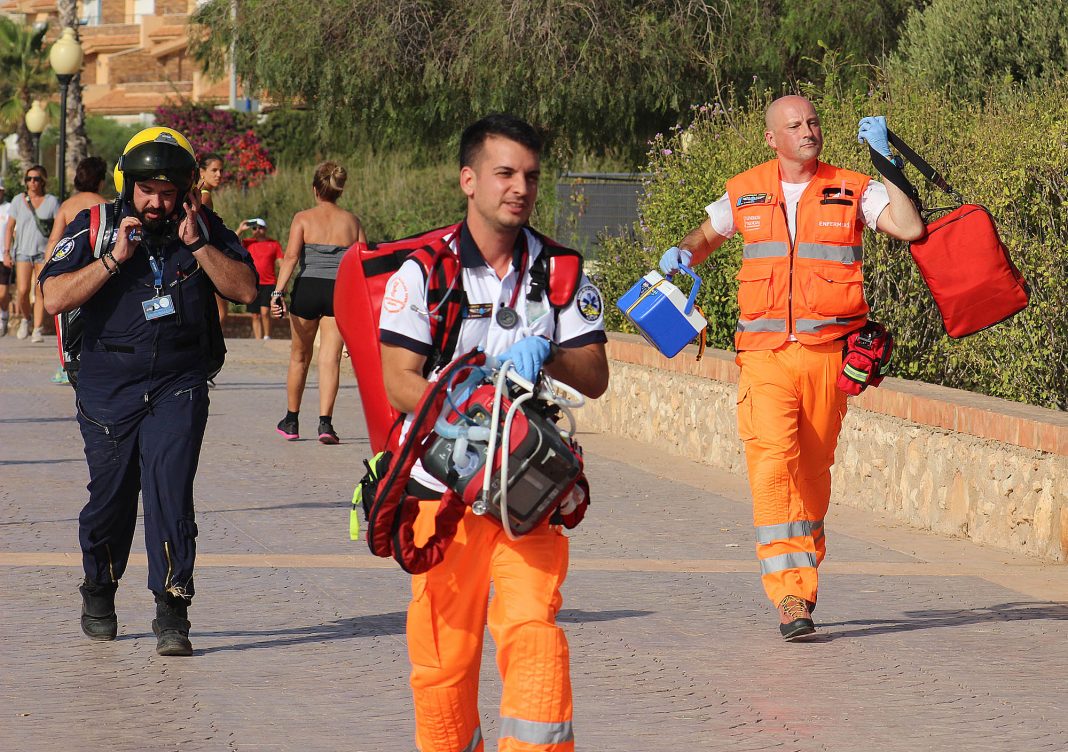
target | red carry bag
x=961, y=257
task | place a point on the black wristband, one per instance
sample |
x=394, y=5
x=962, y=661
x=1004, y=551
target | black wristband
x=196, y=245
x=112, y=270
x=553, y=350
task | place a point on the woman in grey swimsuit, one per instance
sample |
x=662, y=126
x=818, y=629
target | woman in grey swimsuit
x=318, y=238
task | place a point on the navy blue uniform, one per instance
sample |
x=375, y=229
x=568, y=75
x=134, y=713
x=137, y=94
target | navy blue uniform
x=142, y=404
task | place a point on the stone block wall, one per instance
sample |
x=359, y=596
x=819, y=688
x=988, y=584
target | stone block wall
x=939, y=459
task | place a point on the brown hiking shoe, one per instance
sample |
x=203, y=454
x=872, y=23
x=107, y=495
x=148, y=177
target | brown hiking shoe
x=795, y=618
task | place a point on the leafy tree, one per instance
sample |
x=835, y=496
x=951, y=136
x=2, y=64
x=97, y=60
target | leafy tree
x=967, y=46
x=594, y=75
x=27, y=76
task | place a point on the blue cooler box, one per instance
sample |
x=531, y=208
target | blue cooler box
x=662, y=313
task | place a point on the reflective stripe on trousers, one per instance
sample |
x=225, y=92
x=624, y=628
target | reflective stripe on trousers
x=533, y=732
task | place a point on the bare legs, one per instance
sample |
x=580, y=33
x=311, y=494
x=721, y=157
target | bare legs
x=26, y=275
x=300, y=355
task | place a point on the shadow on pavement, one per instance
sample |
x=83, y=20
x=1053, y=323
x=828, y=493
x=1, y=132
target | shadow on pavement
x=371, y=625
x=914, y=620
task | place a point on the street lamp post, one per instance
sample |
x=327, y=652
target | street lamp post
x=66, y=59
x=36, y=122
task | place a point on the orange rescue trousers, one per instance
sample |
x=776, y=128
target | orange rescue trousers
x=446, y=621
x=790, y=412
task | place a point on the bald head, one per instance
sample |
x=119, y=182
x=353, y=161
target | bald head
x=793, y=129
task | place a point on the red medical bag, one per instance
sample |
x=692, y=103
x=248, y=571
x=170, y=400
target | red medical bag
x=963, y=261
x=968, y=270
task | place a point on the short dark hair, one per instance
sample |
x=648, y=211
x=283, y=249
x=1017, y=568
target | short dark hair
x=90, y=174
x=496, y=124
x=208, y=158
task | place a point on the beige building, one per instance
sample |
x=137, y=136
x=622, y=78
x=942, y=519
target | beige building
x=136, y=54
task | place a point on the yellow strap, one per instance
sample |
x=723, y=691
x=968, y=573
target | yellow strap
x=643, y=296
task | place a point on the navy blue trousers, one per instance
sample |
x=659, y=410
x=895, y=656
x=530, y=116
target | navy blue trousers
x=153, y=452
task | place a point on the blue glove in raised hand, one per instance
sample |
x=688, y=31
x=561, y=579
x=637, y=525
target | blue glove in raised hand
x=673, y=258
x=528, y=355
x=873, y=130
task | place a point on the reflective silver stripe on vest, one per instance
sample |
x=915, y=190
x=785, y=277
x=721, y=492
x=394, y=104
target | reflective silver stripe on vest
x=767, y=249
x=846, y=254
x=536, y=732
x=761, y=325
x=771, y=533
x=811, y=326
x=476, y=739
x=782, y=562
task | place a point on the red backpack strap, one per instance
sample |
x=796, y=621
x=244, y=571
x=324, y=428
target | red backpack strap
x=445, y=300
x=393, y=511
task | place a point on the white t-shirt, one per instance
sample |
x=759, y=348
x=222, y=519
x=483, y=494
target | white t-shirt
x=872, y=202
x=405, y=319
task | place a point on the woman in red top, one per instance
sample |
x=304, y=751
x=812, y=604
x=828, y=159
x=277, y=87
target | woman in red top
x=266, y=253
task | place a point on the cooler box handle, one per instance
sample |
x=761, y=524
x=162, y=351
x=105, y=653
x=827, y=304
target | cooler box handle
x=694, y=289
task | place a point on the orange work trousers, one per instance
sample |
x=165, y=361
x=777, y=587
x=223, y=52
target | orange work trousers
x=446, y=620
x=790, y=412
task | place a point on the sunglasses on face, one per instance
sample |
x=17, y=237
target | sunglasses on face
x=34, y=179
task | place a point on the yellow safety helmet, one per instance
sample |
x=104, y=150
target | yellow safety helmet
x=156, y=154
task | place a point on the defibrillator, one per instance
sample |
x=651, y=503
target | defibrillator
x=535, y=463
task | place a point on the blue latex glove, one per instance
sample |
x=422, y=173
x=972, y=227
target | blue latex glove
x=873, y=130
x=527, y=355
x=673, y=258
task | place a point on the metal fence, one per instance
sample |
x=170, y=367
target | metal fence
x=590, y=205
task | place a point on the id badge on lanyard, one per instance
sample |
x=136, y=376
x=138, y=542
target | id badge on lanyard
x=159, y=305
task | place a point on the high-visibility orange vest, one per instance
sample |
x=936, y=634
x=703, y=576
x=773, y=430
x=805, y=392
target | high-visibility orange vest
x=812, y=287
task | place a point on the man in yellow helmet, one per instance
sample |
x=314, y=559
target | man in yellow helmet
x=143, y=275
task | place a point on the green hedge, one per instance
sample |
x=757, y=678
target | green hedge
x=1010, y=154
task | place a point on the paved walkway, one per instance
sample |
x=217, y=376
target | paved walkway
x=927, y=643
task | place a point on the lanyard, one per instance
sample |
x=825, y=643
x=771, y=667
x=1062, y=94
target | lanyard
x=522, y=270
x=157, y=274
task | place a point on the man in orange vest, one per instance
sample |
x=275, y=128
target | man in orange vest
x=800, y=292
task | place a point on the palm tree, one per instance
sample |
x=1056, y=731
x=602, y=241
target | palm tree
x=24, y=58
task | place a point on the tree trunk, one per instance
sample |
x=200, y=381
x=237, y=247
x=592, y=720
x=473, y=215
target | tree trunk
x=77, y=140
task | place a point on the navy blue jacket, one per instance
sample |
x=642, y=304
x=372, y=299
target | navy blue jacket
x=128, y=361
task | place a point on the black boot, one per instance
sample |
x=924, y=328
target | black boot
x=98, y=610
x=171, y=626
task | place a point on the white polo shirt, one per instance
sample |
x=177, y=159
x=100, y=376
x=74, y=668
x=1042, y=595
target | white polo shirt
x=405, y=320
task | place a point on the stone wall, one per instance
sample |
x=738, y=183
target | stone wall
x=939, y=459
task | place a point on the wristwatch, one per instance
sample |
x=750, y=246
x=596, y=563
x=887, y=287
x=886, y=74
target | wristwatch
x=896, y=161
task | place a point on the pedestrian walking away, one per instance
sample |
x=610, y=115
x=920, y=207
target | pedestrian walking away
x=318, y=238
x=266, y=253
x=29, y=225
x=147, y=307
x=509, y=310
x=800, y=293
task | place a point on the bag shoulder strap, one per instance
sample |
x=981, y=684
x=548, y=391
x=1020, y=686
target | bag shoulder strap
x=889, y=171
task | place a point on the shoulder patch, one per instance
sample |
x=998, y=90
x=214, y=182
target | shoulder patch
x=753, y=198
x=63, y=249
x=588, y=300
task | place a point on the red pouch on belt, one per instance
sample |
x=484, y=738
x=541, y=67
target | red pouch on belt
x=866, y=358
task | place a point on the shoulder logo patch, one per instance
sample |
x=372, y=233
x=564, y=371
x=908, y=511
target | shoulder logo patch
x=396, y=297
x=753, y=198
x=588, y=300
x=63, y=249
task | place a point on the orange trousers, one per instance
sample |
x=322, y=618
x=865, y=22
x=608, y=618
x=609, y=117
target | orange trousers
x=790, y=412
x=446, y=620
